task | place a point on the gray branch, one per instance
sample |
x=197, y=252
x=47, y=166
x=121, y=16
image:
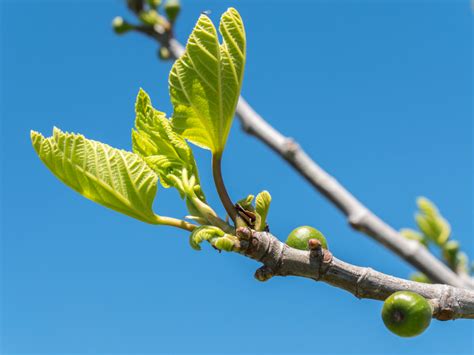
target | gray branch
x=319, y=264
x=358, y=216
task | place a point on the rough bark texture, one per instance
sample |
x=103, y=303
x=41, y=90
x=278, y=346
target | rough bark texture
x=319, y=264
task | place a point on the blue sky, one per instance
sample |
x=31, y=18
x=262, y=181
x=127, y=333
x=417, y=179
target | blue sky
x=379, y=93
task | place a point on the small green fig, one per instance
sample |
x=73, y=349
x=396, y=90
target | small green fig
x=120, y=26
x=172, y=8
x=300, y=236
x=406, y=314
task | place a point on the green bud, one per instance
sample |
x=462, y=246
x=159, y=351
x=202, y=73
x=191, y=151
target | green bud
x=150, y=17
x=406, y=314
x=450, y=251
x=164, y=53
x=420, y=277
x=172, y=8
x=414, y=235
x=462, y=262
x=300, y=236
x=427, y=207
x=120, y=26
x=246, y=203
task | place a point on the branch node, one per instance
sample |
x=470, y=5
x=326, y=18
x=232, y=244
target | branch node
x=244, y=233
x=264, y=273
x=356, y=218
x=360, y=280
x=290, y=147
x=447, y=305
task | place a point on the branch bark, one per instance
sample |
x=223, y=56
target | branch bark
x=358, y=215
x=319, y=264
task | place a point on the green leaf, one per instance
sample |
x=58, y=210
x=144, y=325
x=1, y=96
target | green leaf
x=205, y=82
x=165, y=151
x=246, y=203
x=450, y=252
x=431, y=223
x=214, y=235
x=427, y=207
x=112, y=177
x=262, y=205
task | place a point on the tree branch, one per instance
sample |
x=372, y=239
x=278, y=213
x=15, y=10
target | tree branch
x=358, y=216
x=319, y=264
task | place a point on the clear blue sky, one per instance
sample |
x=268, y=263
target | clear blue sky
x=379, y=93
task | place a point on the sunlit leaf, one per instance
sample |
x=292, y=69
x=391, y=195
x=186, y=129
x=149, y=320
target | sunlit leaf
x=205, y=82
x=165, y=151
x=112, y=177
x=262, y=205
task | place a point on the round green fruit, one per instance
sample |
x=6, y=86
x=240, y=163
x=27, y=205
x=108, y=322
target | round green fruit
x=406, y=314
x=300, y=236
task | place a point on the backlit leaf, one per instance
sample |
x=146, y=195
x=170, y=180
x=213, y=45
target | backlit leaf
x=165, y=151
x=115, y=178
x=205, y=82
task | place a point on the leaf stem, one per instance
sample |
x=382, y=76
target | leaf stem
x=175, y=222
x=221, y=190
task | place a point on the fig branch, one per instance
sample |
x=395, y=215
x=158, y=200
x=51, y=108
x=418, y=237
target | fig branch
x=358, y=216
x=319, y=264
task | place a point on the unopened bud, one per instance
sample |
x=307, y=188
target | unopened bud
x=164, y=53
x=172, y=8
x=120, y=26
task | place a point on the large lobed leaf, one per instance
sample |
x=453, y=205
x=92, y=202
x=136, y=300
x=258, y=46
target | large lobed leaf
x=112, y=177
x=205, y=82
x=165, y=151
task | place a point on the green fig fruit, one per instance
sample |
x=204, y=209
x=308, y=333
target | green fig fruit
x=172, y=8
x=406, y=314
x=300, y=236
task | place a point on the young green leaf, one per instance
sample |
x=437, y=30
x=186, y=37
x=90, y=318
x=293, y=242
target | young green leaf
x=165, y=151
x=112, y=177
x=246, y=203
x=262, y=205
x=431, y=223
x=214, y=235
x=427, y=207
x=205, y=82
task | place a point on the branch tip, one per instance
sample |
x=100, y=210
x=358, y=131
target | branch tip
x=314, y=244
